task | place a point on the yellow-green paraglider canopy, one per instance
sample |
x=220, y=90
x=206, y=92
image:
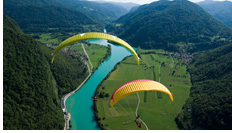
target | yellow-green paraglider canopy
x=94, y=35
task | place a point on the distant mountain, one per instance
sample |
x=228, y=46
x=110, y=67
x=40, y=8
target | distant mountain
x=127, y=6
x=117, y=9
x=30, y=2
x=159, y=24
x=221, y=10
x=100, y=12
x=134, y=8
x=61, y=15
x=32, y=86
x=209, y=105
x=34, y=18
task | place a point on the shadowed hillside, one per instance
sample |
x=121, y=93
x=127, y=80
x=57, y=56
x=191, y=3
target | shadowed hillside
x=32, y=87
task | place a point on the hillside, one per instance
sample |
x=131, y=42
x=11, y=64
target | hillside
x=11, y=25
x=32, y=87
x=61, y=15
x=127, y=5
x=134, y=8
x=209, y=105
x=103, y=13
x=162, y=23
x=41, y=18
x=221, y=10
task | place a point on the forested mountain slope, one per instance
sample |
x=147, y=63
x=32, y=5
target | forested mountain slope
x=159, y=24
x=32, y=87
x=126, y=5
x=61, y=15
x=210, y=103
x=103, y=13
x=49, y=18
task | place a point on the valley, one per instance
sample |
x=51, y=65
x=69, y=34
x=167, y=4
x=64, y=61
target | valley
x=183, y=44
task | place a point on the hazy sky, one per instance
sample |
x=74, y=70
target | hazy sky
x=146, y=1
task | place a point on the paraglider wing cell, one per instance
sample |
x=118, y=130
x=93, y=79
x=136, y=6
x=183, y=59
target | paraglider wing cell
x=137, y=86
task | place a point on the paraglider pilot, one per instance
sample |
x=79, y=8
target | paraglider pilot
x=138, y=122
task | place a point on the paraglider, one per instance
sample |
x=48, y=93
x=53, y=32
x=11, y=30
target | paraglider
x=95, y=99
x=138, y=86
x=94, y=35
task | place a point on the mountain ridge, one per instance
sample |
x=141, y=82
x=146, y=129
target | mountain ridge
x=158, y=24
x=36, y=19
x=68, y=15
x=221, y=10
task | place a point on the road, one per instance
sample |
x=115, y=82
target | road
x=87, y=56
x=136, y=112
x=67, y=115
x=172, y=61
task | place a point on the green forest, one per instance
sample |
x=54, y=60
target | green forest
x=36, y=16
x=32, y=85
x=164, y=23
x=210, y=103
x=39, y=19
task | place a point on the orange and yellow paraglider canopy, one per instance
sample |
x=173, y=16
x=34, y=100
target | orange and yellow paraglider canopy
x=137, y=86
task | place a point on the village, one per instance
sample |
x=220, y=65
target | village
x=68, y=51
x=183, y=54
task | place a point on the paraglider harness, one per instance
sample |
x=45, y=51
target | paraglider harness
x=138, y=122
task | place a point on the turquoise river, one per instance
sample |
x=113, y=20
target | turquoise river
x=80, y=105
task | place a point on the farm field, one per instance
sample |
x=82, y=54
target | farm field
x=47, y=38
x=96, y=52
x=156, y=109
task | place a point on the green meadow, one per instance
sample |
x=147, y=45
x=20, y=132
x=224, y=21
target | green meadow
x=47, y=38
x=96, y=52
x=155, y=109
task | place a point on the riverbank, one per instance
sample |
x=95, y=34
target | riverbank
x=84, y=118
x=97, y=93
x=92, y=49
x=67, y=115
